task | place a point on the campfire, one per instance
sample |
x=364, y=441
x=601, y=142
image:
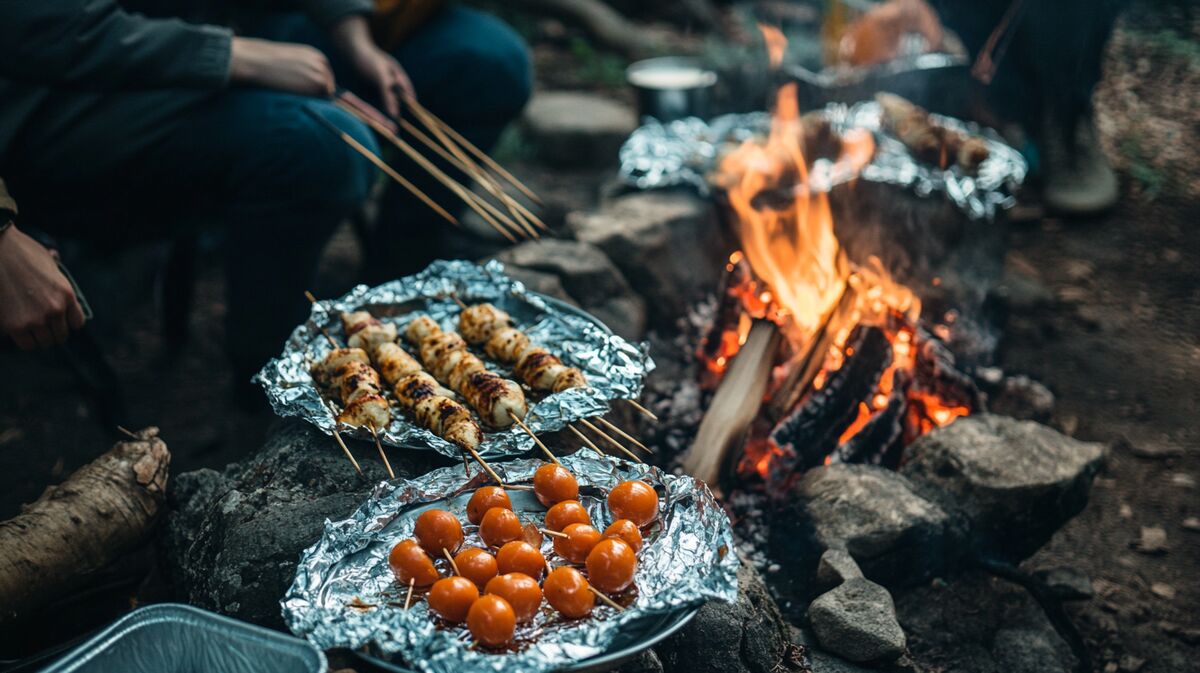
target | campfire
x=815, y=359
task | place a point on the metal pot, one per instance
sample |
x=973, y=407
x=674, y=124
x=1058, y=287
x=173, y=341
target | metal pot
x=671, y=87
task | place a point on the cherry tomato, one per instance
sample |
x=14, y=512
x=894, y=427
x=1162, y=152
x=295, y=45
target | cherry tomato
x=627, y=531
x=634, y=500
x=520, y=557
x=566, y=513
x=521, y=591
x=553, y=483
x=500, y=526
x=437, y=529
x=567, y=591
x=409, y=562
x=451, y=597
x=579, y=541
x=476, y=565
x=484, y=499
x=491, y=620
x=611, y=565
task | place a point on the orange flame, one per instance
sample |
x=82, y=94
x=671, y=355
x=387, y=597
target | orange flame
x=776, y=44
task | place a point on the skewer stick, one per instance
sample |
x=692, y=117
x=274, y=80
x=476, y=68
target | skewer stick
x=379, y=445
x=486, y=468
x=624, y=434
x=427, y=117
x=453, y=185
x=460, y=302
x=583, y=438
x=346, y=449
x=383, y=166
x=607, y=601
x=537, y=441
x=451, y=560
x=408, y=599
x=610, y=440
x=553, y=533
x=644, y=411
x=462, y=162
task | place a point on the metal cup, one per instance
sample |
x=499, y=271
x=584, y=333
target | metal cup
x=671, y=87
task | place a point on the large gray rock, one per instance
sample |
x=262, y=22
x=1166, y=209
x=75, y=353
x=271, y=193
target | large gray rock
x=857, y=621
x=895, y=535
x=575, y=128
x=669, y=244
x=1013, y=483
x=232, y=539
x=749, y=636
x=588, y=276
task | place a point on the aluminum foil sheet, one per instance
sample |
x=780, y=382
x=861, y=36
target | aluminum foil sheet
x=614, y=367
x=684, y=152
x=688, y=558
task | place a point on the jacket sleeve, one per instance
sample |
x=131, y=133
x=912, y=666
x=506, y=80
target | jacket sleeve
x=95, y=45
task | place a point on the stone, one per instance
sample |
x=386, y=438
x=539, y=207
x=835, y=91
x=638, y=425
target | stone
x=577, y=129
x=836, y=566
x=1023, y=398
x=749, y=636
x=645, y=661
x=1066, y=584
x=1163, y=590
x=669, y=244
x=1152, y=541
x=1191, y=523
x=820, y=661
x=232, y=539
x=872, y=513
x=587, y=276
x=1018, y=650
x=857, y=620
x=1012, y=483
x=1150, y=449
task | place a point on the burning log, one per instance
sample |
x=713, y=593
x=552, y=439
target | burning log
x=734, y=406
x=101, y=511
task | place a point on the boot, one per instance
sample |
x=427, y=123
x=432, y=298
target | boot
x=1078, y=179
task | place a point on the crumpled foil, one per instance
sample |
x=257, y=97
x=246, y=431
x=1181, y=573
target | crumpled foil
x=688, y=558
x=684, y=152
x=613, y=366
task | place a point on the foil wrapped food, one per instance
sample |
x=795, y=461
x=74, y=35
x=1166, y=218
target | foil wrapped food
x=344, y=593
x=613, y=366
x=684, y=152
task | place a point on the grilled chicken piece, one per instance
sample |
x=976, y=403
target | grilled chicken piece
x=496, y=398
x=421, y=329
x=506, y=344
x=413, y=388
x=570, y=378
x=354, y=379
x=372, y=335
x=477, y=323
x=368, y=410
x=394, y=362
x=354, y=321
x=465, y=367
x=448, y=419
x=435, y=352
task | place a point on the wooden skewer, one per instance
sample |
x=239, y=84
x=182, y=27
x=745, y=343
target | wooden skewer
x=451, y=560
x=458, y=301
x=408, y=599
x=383, y=166
x=379, y=445
x=608, y=601
x=486, y=468
x=520, y=212
x=644, y=411
x=537, y=441
x=626, y=435
x=583, y=438
x=479, y=206
x=428, y=117
x=610, y=440
x=553, y=533
x=346, y=449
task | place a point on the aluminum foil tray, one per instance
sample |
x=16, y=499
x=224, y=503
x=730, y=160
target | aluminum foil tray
x=172, y=638
x=688, y=558
x=614, y=367
x=685, y=151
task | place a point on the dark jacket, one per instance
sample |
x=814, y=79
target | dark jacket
x=62, y=59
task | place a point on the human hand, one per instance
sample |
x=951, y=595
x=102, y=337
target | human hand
x=38, y=306
x=373, y=64
x=283, y=66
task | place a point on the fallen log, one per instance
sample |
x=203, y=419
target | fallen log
x=100, y=512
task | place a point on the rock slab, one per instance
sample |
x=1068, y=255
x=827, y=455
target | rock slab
x=857, y=620
x=1013, y=483
x=576, y=128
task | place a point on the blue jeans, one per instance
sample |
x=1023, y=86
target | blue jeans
x=255, y=167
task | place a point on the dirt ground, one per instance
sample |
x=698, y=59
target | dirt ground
x=1111, y=323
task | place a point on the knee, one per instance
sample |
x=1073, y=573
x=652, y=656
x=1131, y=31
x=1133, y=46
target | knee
x=495, y=67
x=315, y=167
